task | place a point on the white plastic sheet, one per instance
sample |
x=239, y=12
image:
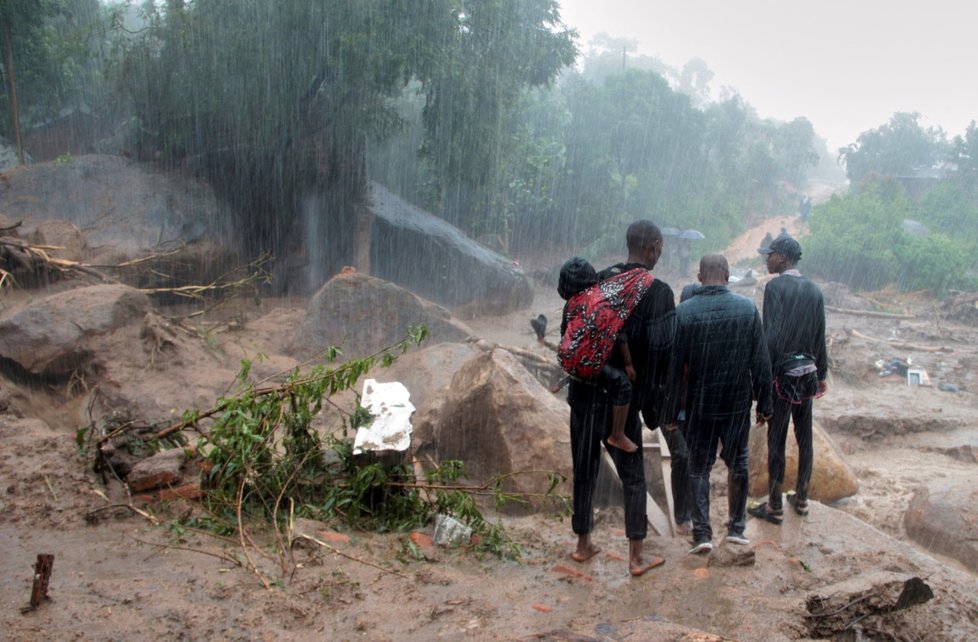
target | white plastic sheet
x=390, y=406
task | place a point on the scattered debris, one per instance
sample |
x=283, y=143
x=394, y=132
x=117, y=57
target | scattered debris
x=861, y=604
x=42, y=575
x=450, y=532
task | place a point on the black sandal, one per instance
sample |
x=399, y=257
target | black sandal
x=765, y=512
x=800, y=505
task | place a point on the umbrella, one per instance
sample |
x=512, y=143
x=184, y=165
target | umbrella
x=691, y=234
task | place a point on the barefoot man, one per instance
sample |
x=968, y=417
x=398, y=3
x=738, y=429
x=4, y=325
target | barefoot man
x=650, y=330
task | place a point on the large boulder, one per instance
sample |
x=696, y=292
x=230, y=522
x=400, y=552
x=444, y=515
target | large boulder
x=116, y=202
x=832, y=478
x=427, y=255
x=497, y=419
x=942, y=518
x=107, y=210
x=424, y=372
x=50, y=335
x=362, y=315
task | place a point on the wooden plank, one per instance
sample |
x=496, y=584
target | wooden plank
x=658, y=520
x=667, y=482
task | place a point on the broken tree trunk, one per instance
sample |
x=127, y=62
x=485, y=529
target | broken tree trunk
x=42, y=574
x=903, y=345
x=861, y=601
x=871, y=313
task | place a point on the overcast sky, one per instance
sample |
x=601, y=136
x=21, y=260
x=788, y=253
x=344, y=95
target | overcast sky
x=846, y=65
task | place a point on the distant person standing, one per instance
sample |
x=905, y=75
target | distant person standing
x=719, y=366
x=804, y=208
x=794, y=324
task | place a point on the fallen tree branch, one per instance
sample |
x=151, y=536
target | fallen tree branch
x=11, y=228
x=871, y=313
x=903, y=345
x=336, y=551
x=33, y=257
x=219, y=556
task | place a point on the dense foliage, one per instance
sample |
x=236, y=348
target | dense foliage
x=911, y=216
x=468, y=108
x=608, y=144
x=862, y=239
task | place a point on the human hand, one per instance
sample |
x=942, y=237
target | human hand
x=823, y=387
x=762, y=418
x=630, y=371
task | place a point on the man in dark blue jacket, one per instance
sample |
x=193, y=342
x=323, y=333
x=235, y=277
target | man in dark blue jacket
x=794, y=324
x=719, y=366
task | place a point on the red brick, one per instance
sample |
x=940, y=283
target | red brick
x=421, y=540
x=334, y=537
x=187, y=491
x=573, y=572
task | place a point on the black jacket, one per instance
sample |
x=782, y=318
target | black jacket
x=650, y=330
x=720, y=362
x=794, y=321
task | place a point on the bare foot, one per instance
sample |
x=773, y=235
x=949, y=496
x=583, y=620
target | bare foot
x=638, y=566
x=585, y=552
x=622, y=443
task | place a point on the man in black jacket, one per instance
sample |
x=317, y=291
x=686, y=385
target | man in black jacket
x=794, y=324
x=719, y=367
x=650, y=330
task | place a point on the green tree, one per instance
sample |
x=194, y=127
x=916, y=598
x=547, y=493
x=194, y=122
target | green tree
x=275, y=101
x=52, y=56
x=495, y=51
x=899, y=148
x=853, y=237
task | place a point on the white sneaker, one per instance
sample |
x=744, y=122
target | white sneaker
x=701, y=547
x=737, y=538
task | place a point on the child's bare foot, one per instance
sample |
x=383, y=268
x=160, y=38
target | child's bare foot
x=639, y=565
x=622, y=443
x=584, y=552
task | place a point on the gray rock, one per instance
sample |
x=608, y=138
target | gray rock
x=48, y=336
x=423, y=253
x=426, y=371
x=942, y=518
x=497, y=419
x=832, y=478
x=363, y=315
x=116, y=202
x=162, y=469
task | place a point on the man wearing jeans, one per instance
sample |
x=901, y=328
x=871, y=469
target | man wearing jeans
x=719, y=366
x=794, y=324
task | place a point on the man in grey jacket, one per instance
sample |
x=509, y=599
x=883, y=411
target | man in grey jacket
x=720, y=365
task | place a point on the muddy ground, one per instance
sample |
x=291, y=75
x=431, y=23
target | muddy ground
x=117, y=575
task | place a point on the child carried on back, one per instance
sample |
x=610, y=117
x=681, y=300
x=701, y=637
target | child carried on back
x=577, y=275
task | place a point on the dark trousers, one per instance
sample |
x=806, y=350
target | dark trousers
x=777, y=434
x=590, y=425
x=705, y=434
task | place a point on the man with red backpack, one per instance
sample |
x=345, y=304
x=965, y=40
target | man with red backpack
x=649, y=329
